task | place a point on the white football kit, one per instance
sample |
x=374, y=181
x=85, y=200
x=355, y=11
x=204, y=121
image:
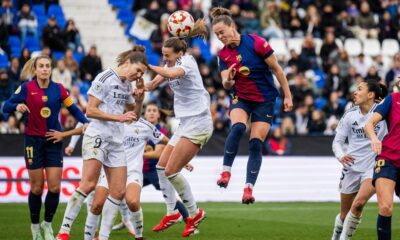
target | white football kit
x=136, y=136
x=191, y=104
x=103, y=140
x=351, y=126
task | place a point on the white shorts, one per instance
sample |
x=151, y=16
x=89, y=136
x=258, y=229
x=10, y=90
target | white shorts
x=109, y=153
x=198, y=129
x=134, y=176
x=350, y=181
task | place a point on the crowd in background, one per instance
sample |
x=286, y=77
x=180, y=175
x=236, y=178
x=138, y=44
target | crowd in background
x=321, y=80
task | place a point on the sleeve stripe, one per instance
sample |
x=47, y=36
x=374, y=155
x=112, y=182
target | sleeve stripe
x=268, y=54
x=68, y=101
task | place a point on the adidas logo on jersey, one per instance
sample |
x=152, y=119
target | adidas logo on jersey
x=355, y=123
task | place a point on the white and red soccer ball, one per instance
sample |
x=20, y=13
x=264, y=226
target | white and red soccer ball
x=180, y=24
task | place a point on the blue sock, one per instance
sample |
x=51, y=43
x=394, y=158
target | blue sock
x=51, y=204
x=232, y=143
x=35, y=204
x=254, y=162
x=182, y=209
x=384, y=227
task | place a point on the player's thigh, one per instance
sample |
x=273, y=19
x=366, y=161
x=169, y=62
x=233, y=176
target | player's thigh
x=100, y=197
x=165, y=155
x=238, y=115
x=183, y=152
x=54, y=175
x=259, y=130
x=116, y=177
x=91, y=169
x=36, y=179
x=34, y=152
x=384, y=192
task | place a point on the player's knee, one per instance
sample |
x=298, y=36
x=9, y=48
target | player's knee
x=169, y=171
x=55, y=188
x=118, y=193
x=238, y=129
x=37, y=189
x=97, y=207
x=385, y=209
x=133, y=204
x=358, y=206
x=255, y=144
x=87, y=187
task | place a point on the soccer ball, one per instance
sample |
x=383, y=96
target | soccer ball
x=180, y=23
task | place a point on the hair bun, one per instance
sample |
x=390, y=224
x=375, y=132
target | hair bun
x=138, y=48
x=219, y=11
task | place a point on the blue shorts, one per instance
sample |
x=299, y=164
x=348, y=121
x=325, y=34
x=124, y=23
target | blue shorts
x=386, y=169
x=40, y=153
x=257, y=111
x=151, y=177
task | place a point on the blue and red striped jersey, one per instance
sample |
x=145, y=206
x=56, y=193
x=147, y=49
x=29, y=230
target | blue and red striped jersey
x=253, y=80
x=150, y=164
x=390, y=111
x=44, y=105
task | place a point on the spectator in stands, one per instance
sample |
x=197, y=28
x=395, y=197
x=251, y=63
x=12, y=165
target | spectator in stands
x=308, y=55
x=249, y=22
x=380, y=66
x=365, y=26
x=394, y=71
x=72, y=36
x=387, y=27
x=46, y=51
x=153, y=13
x=78, y=98
x=172, y=7
x=71, y=64
x=196, y=53
x=372, y=74
x=328, y=49
x=328, y=19
x=62, y=75
x=334, y=108
x=9, y=15
x=6, y=87
x=313, y=21
x=288, y=127
x=53, y=35
x=334, y=83
x=295, y=25
x=27, y=23
x=278, y=144
x=302, y=118
x=294, y=59
x=196, y=11
x=13, y=72
x=4, y=46
x=300, y=88
x=343, y=62
x=90, y=65
x=361, y=65
x=11, y=127
x=343, y=23
x=270, y=21
x=25, y=56
x=316, y=125
x=159, y=35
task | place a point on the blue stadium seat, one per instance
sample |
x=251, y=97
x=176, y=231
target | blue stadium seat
x=39, y=10
x=15, y=46
x=58, y=55
x=78, y=56
x=204, y=48
x=32, y=43
x=4, y=61
x=320, y=103
x=118, y=3
x=125, y=16
x=55, y=9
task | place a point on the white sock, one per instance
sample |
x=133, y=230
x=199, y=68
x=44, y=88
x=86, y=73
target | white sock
x=137, y=221
x=110, y=211
x=125, y=213
x=337, y=230
x=349, y=226
x=167, y=190
x=92, y=221
x=74, y=206
x=182, y=187
x=226, y=168
x=89, y=201
x=35, y=227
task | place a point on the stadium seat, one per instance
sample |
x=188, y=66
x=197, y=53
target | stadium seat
x=279, y=46
x=78, y=56
x=39, y=10
x=371, y=47
x=15, y=46
x=320, y=103
x=125, y=15
x=32, y=43
x=353, y=47
x=56, y=10
x=118, y=3
x=58, y=55
x=4, y=61
x=390, y=47
x=204, y=48
x=296, y=44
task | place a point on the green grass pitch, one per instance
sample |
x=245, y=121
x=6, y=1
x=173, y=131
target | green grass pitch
x=272, y=221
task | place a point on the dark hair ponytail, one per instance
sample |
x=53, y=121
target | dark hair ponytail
x=379, y=89
x=220, y=14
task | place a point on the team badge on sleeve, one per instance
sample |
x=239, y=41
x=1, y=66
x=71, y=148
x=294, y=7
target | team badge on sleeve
x=97, y=88
x=156, y=133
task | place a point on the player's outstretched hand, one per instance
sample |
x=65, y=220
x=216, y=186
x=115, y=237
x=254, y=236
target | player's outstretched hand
x=128, y=117
x=347, y=160
x=288, y=104
x=54, y=136
x=68, y=151
x=231, y=72
x=22, y=108
x=189, y=167
x=376, y=145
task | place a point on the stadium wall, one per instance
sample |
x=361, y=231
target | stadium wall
x=310, y=179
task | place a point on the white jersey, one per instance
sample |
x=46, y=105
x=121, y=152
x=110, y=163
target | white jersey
x=190, y=96
x=114, y=94
x=351, y=126
x=136, y=136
